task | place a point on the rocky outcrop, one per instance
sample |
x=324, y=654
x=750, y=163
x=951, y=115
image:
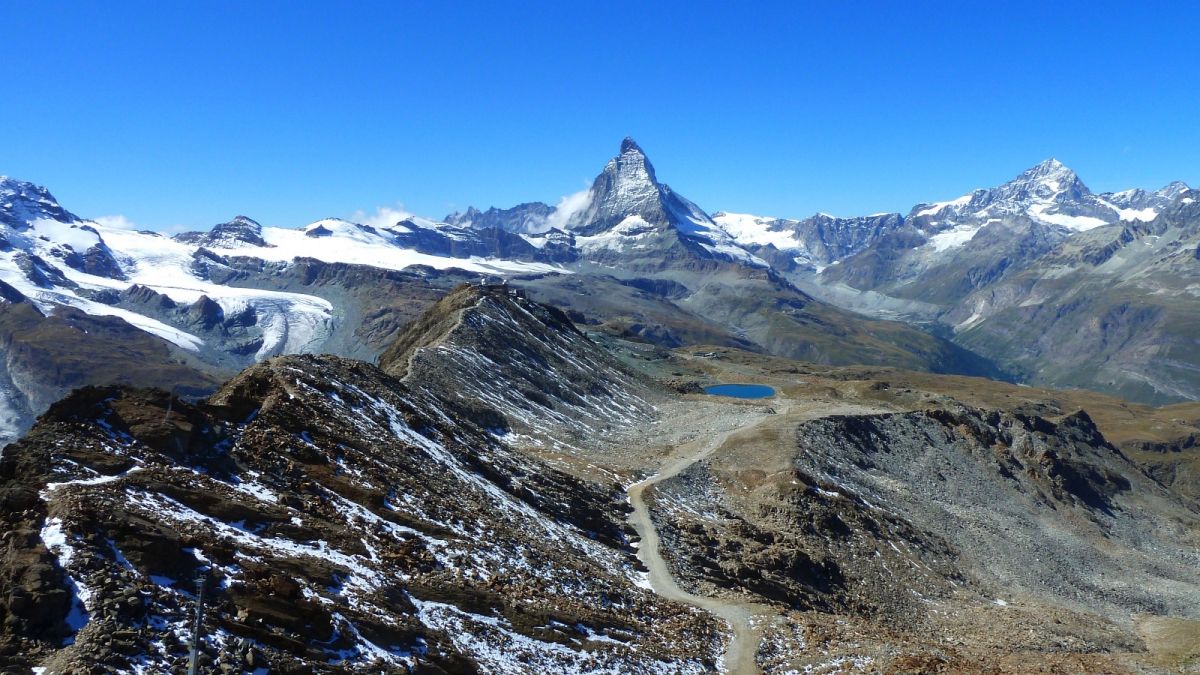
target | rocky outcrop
x=342, y=521
x=527, y=218
x=241, y=232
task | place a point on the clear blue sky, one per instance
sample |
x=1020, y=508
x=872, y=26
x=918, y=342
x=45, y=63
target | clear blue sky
x=290, y=112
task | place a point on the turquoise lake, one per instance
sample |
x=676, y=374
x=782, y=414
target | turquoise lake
x=740, y=390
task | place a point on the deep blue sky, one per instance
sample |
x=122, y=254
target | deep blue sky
x=291, y=112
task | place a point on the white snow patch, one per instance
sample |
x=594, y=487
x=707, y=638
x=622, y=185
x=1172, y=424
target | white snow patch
x=934, y=207
x=749, y=230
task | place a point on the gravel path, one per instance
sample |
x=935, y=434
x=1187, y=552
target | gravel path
x=739, y=656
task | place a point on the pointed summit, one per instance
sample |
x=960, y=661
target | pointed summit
x=627, y=187
x=630, y=145
x=1049, y=169
x=1049, y=165
x=1050, y=180
x=245, y=222
x=1174, y=190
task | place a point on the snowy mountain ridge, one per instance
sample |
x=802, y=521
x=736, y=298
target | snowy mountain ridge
x=1049, y=193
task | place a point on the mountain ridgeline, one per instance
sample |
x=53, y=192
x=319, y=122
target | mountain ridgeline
x=461, y=507
x=983, y=285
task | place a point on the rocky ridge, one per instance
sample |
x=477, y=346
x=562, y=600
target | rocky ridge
x=342, y=520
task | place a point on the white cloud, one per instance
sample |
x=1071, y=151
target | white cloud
x=117, y=222
x=568, y=206
x=385, y=216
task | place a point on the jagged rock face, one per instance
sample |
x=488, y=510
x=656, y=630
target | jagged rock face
x=241, y=232
x=522, y=219
x=813, y=242
x=990, y=482
x=510, y=363
x=627, y=196
x=343, y=521
x=627, y=187
x=22, y=202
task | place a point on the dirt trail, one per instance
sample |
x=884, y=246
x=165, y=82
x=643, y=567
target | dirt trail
x=436, y=343
x=739, y=656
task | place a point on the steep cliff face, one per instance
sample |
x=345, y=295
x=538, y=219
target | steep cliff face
x=343, y=522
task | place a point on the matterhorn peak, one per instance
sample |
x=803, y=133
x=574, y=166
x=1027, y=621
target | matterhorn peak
x=630, y=146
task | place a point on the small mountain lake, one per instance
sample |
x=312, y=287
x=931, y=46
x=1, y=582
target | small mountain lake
x=740, y=390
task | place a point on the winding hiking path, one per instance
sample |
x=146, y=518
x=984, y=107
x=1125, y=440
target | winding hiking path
x=743, y=645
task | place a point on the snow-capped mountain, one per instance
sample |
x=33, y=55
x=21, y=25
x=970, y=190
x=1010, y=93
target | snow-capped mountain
x=1033, y=212
x=813, y=242
x=22, y=203
x=626, y=210
x=627, y=201
x=1049, y=193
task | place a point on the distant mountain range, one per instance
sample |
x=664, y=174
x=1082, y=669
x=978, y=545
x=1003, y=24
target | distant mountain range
x=940, y=289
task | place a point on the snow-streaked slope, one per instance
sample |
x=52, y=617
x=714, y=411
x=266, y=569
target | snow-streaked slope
x=417, y=539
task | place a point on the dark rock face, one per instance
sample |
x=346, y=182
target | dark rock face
x=22, y=202
x=522, y=218
x=11, y=294
x=486, y=242
x=204, y=314
x=241, y=232
x=343, y=523
x=99, y=261
x=40, y=272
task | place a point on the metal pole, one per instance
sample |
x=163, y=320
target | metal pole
x=193, y=664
